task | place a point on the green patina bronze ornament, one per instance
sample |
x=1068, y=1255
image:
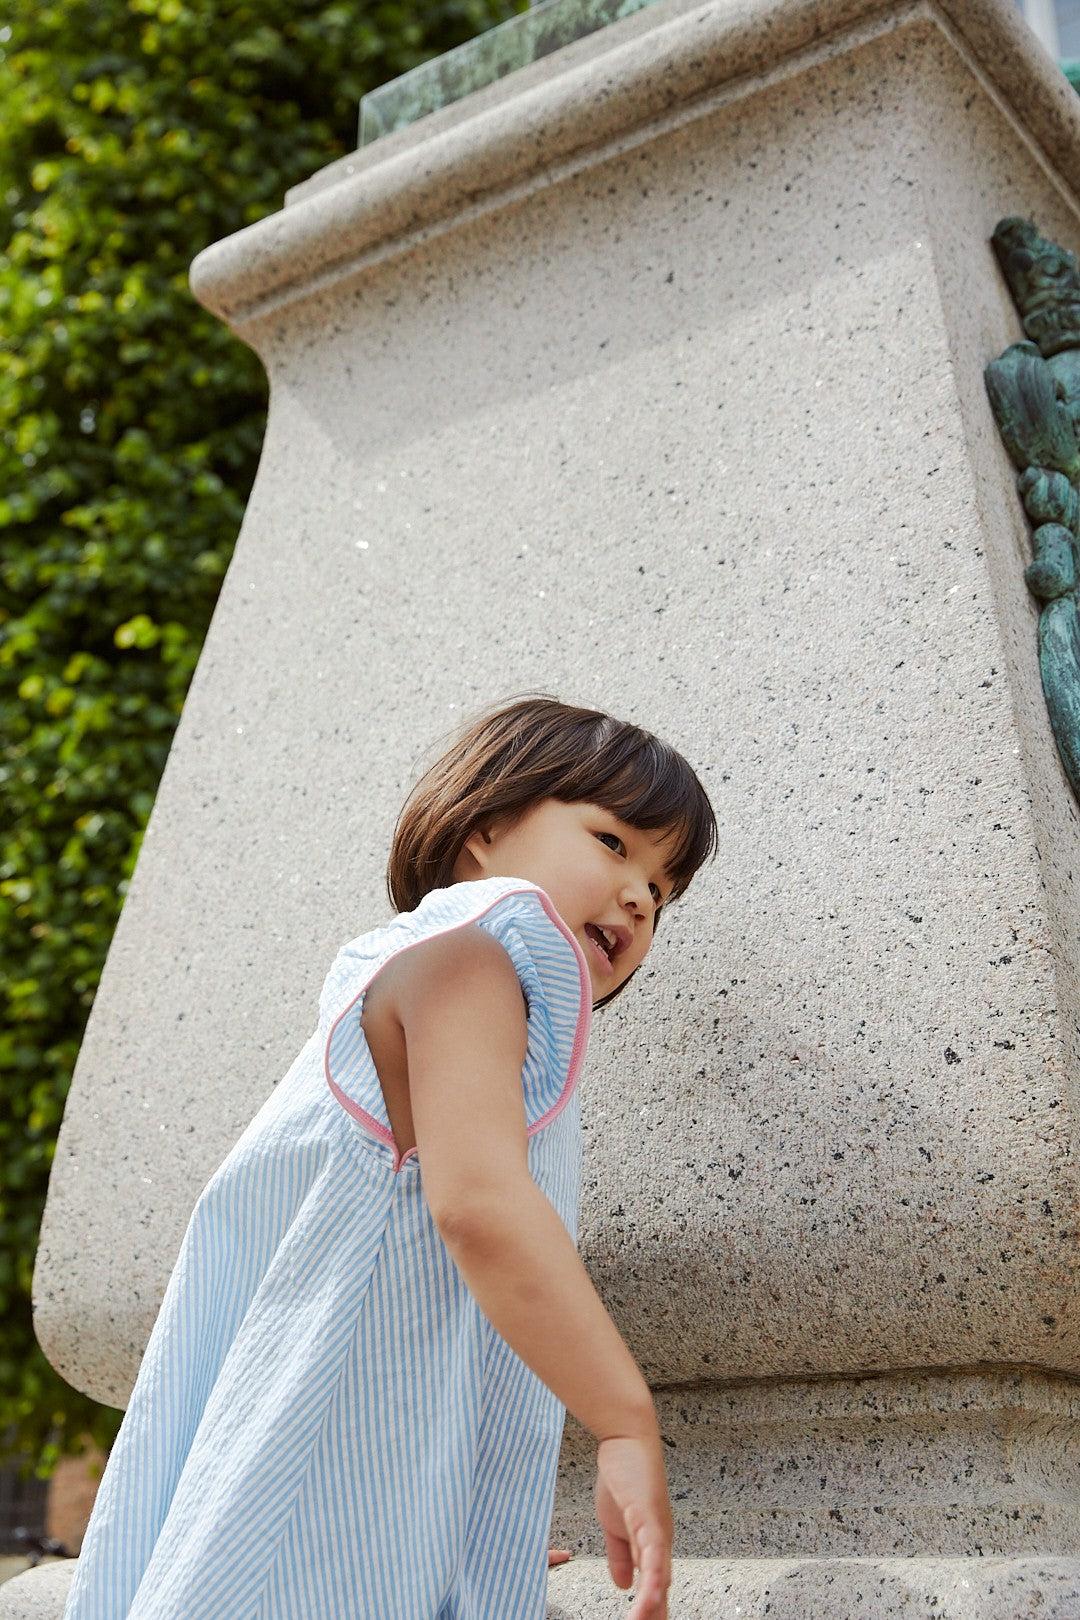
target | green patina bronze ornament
x=1034, y=389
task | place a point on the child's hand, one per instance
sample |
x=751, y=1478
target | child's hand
x=635, y=1516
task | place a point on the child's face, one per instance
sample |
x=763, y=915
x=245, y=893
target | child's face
x=607, y=880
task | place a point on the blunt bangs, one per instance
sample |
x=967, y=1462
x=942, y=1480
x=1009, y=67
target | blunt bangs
x=649, y=786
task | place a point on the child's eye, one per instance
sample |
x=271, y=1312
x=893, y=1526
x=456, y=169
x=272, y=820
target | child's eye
x=613, y=841
x=657, y=896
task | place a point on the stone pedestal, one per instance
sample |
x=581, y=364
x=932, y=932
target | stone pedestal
x=652, y=376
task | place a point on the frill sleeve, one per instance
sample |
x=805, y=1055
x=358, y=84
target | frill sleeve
x=558, y=994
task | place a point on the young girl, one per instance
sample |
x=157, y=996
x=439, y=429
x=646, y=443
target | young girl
x=351, y=1405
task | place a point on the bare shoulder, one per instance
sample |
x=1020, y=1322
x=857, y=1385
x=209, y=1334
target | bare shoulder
x=465, y=965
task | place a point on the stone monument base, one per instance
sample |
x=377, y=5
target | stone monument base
x=914, y=1466
x=654, y=377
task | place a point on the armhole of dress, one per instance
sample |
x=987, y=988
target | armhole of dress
x=358, y=1051
x=583, y=1019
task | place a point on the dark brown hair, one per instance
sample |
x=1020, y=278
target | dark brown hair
x=533, y=749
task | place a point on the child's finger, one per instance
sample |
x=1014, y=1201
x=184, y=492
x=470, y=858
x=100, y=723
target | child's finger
x=650, y=1599
x=632, y=1507
x=648, y=1606
x=620, y=1560
x=558, y=1555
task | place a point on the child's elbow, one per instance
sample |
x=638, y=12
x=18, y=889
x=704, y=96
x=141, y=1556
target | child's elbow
x=474, y=1223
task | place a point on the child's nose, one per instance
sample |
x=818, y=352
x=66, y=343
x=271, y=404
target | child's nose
x=636, y=896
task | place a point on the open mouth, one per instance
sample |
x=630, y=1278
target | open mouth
x=605, y=942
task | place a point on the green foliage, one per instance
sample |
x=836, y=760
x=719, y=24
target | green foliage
x=132, y=134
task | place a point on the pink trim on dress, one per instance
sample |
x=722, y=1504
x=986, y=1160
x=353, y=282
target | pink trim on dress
x=577, y=1052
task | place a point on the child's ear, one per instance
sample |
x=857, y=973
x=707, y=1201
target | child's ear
x=477, y=847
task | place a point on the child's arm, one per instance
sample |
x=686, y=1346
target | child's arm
x=460, y=1007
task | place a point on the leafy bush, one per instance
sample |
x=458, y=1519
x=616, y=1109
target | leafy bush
x=132, y=134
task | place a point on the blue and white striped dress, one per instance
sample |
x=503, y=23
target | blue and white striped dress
x=325, y=1427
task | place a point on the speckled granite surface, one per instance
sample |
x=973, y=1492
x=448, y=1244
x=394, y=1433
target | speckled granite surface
x=909, y=1465
x=756, y=1589
x=837, y=1589
x=685, y=419
x=37, y=1594
x=732, y=472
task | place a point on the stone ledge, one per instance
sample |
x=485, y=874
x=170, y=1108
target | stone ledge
x=622, y=82
x=753, y=1588
x=838, y=1589
x=39, y=1594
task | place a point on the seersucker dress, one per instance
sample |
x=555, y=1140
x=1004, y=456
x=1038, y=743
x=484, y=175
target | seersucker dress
x=325, y=1427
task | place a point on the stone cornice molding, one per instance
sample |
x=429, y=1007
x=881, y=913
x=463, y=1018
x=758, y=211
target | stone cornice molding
x=610, y=89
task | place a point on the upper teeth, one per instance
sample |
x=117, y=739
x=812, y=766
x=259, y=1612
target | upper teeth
x=610, y=939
